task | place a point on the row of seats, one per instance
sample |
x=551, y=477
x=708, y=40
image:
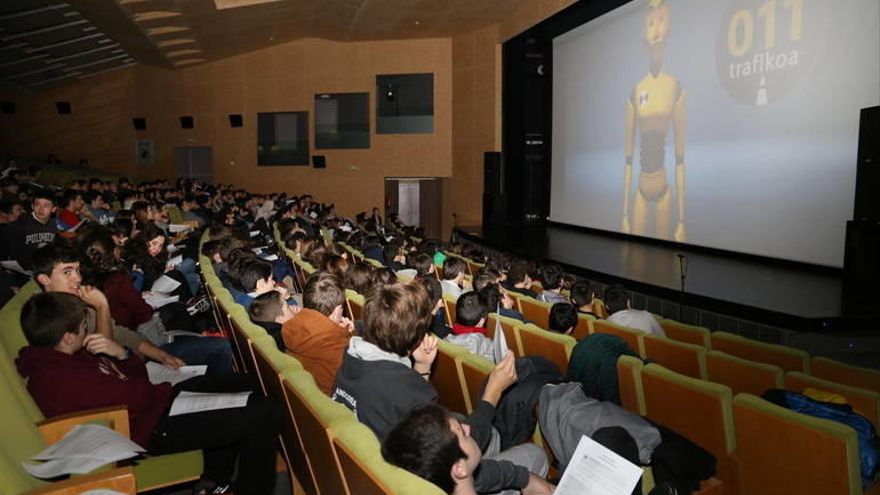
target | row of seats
x=25, y=431
x=761, y=448
x=326, y=449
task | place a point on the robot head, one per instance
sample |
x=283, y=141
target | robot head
x=657, y=23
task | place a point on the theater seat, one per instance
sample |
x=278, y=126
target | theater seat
x=630, y=335
x=474, y=372
x=854, y=376
x=584, y=326
x=742, y=375
x=691, y=334
x=629, y=384
x=782, y=452
x=538, y=312
x=787, y=358
x=446, y=377
x=554, y=346
x=508, y=326
x=355, y=304
x=681, y=357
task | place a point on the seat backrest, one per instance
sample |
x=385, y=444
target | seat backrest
x=847, y=374
x=863, y=401
x=783, y=452
x=20, y=439
x=630, y=335
x=629, y=384
x=364, y=469
x=554, y=346
x=474, y=372
x=449, y=305
x=12, y=336
x=509, y=327
x=535, y=311
x=692, y=334
x=681, y=357
x=355, y=303
x=584, y=324
x=446, y=377
x=271, y=364
x=697, y=409
x=314, y=415
x=16, y=388
x=742, y=375
x=787, y=358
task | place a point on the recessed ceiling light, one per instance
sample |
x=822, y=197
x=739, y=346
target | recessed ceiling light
x=417, y=23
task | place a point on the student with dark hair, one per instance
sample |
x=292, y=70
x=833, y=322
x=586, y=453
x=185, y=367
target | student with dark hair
x=394, y=259
x=319, y=334
x=384, y=375
x=434, y=445
x=620, y=312
x=271, y=311
x=454, y=283
x=435, y=294
x=470, y=314
x=518, y=279
x=583, y=296
x=551, y=280
x=32, y=230
x=70, y=216
x=252, y=278
x=69, y=370
x=563, y=318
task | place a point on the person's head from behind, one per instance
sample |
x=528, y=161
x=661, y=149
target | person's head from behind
x=563, y=318
x=392, y=252
x=9, y=211
x=381, y=277
x=431, y=444
x=72, y=200
x=616, y=299
x=422, y=263
x=518, y=274
x=55, y=320
x=255, y=275
x=270, y=307
x=454, y=269
x=435, y=291
x=397, y=317
x=551, y=277
x=56, y=268
x=324, y=293
x=471, y=310
x=358, y=277
x=485, y=277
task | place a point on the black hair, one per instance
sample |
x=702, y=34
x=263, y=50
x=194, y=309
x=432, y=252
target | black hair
x=563, y=316
x=47, y=316
x=46, y=258
x=615, y=298
x=551, y=276
x=470, y=309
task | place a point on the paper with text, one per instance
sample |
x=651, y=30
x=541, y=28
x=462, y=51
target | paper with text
x=193, y=402
x=16, y=267
x=499, y=341
x=596, y=470
x=175, y=260
x=159, y=373
x=165, y=285
x=85, y=448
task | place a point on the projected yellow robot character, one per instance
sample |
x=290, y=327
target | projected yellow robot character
x=656, y=103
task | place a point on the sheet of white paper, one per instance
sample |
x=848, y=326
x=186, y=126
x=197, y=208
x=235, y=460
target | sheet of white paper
x=192, y=402
x=15, y=266
x=596, y=470
x=91, y=440
x=271, y=257
x=164, y=285
x=258, y=249
x=159, y=373
x=174, y=228
x=156, y=300
x=172, y=248
x=255, y=233
x=499, y=341
x=58, y=467
x=176, y=260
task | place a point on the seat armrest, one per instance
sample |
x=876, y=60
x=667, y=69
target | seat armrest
x=53, y=429
x=118, y=479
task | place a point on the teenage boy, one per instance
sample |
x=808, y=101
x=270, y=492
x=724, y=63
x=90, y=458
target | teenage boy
x=621, y=312
x=454, y=284
x=271, y=311
x=518, y=279
x=69, y=370
x=319, y=334
x=430, y=443
x=32, y=230
x=470, y=314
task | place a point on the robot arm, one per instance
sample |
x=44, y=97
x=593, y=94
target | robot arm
x=679, y=121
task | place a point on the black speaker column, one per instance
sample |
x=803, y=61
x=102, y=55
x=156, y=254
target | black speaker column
x=493, y=206
x=861, y=263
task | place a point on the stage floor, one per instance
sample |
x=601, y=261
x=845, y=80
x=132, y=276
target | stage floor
x=799, y=297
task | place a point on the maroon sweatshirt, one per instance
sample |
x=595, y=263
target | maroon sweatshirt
x=66, y=383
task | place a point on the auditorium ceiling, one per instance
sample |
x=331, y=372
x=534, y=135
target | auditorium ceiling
x=49, y=41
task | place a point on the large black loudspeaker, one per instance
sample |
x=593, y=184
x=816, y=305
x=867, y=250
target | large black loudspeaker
x=867, y=202
x=493, y=204
x=861, y=265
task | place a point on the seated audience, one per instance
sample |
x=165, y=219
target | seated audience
x=271, y=311
x=518, y=279
x=584, y=297
x=32, y=230
x=69, y=370
x=551, y=280
x=621, y=312
x=470, y=314
x=454, y=282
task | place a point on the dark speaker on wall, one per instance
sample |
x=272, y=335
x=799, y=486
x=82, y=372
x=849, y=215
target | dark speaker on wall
x=861, y=264
x=235, y=120
x=140, y=123
x=867, y=201
x=63, y=107
x=7, y=107
x=492, y=173
x=187, y=122
x=319, y=161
